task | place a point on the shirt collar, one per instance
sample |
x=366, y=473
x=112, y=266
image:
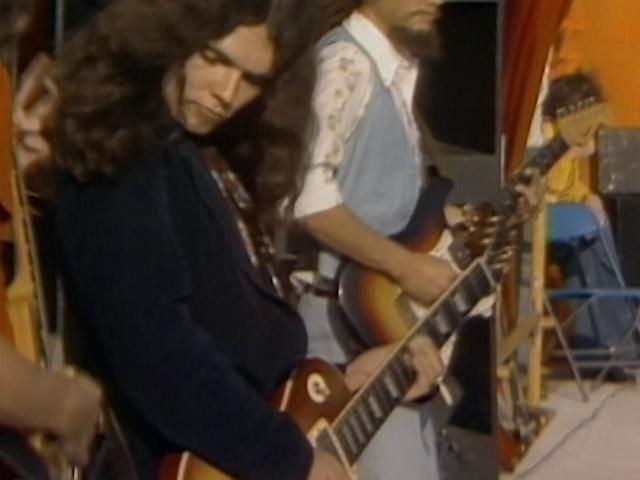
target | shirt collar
x=387, y=59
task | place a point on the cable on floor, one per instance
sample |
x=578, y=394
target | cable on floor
x=583, y=423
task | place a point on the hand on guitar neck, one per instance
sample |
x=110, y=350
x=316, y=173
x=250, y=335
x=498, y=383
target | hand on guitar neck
x=423, y=277
x=35, y=106
x=425, y=360
x=423, y=356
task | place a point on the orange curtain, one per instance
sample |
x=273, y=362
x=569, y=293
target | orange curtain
x=530, y=30
x=604, y=37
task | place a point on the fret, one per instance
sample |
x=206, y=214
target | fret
x=366, y=418
x=407, y=371
x=550, y=153
x=469, y=289
x=392, y=387
x=347, y=440
x=437, y=328
x=356, y=427
x=462, y=299
x=401, y=376
x=333, y=441
x=481, y=283
x=445, y=320
x=384, y=397
x=375, y=406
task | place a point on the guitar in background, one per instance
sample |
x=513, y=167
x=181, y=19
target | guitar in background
x=370, y=299
x=38, y=442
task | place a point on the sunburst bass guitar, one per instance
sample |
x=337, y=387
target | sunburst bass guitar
x=373, y=302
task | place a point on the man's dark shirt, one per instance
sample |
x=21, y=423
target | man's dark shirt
x=188, y=341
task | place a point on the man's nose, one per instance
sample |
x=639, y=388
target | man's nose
x=230, y=86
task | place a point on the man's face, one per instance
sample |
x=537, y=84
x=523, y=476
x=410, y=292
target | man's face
x=224, y=77
x=415, y=16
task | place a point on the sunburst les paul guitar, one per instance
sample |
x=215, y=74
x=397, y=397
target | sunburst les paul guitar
x=371, y=300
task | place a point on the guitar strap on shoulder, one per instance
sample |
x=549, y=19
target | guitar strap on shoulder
x=257, y=241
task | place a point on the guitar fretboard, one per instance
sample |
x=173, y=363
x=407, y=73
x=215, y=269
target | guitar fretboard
x=375, y=401
x=504, y=202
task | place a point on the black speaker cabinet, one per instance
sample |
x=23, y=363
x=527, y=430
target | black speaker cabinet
x=619, y=160
x=624, y=212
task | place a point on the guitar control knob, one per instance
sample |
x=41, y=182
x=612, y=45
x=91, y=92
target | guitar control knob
x=317, y=388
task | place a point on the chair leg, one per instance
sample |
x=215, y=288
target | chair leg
x=567, y=352
x=635, y=326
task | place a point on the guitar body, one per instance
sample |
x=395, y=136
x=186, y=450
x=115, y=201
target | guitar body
x=314, y=396
x=6, y=197
x=369, y=298
x=509, y=451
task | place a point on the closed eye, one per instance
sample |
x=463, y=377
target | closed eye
x=216, y=57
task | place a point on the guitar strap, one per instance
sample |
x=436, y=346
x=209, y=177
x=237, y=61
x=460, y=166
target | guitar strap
x=256, y=239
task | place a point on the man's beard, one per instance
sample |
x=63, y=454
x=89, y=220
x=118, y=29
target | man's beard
x=421, y=44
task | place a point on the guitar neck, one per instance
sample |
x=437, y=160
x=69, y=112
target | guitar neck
x=504, y=202
x=374, y=402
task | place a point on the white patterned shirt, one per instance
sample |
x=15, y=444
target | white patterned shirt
x=343, y=89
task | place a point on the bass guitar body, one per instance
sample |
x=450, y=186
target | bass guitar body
x=370, y=299
x=314, y=396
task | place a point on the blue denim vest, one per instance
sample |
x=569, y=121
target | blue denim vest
x=379, y=178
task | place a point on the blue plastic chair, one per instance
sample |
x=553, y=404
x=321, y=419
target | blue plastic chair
x=570, y=224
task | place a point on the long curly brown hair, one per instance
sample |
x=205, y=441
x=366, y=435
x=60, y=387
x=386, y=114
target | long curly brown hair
x=569, y=90
x=110, y=75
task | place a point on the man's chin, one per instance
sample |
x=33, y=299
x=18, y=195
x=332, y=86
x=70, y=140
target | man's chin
x=199, y=125
x=200, y=128
x=199, y=121
x=419, y=38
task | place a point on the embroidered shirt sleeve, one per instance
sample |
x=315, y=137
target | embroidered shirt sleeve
x=343, y=89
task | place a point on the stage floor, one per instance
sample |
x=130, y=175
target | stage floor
x=594, y=440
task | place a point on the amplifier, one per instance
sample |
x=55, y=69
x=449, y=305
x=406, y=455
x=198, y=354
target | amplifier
x=619, y=160
x=624, y=212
